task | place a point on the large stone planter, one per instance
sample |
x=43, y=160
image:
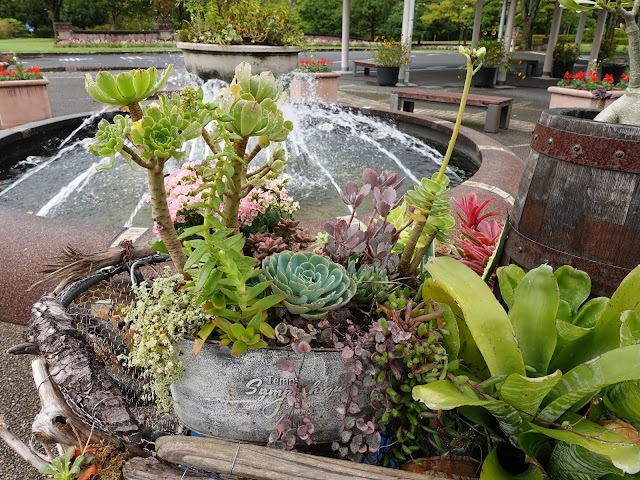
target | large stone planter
x=319, y=86
x=563, y=97
x=216, y=61
x=23, y=101
x=243, y=397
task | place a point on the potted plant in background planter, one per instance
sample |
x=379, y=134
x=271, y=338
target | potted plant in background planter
x=388, y=56
x=585, y=90
x=609, y=62
x=495, y=58
x=315, y=80
x=220, y=35
x=23, y=93
x=564, y=56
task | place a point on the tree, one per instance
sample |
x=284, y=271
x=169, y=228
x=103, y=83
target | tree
x=529, y=10
x=320, y=16
x=368, y=16
x=84, y=14
x=454, y=12
x=54, y=7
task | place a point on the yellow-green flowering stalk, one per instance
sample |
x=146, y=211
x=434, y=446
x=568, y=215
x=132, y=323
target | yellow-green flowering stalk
x=430, y=207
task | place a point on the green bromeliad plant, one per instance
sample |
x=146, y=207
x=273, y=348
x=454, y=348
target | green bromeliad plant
x=548, y=373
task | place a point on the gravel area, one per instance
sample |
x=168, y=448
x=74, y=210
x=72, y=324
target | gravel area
x=18, y=402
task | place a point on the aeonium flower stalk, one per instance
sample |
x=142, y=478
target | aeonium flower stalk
x=430, y=207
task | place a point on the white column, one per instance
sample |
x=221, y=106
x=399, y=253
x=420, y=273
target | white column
x=553, y=39
x=502, y=15
x=406, y=13
x=511, y=18
x=346, y=7
x=407, y=69
x=477, y=21
x=597, y=38
x=581, y=24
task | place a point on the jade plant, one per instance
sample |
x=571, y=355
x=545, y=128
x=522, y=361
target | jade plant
x=552, y=372
x=210, y=254
x=627, y=108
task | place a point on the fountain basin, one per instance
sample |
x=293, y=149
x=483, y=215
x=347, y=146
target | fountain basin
x=29, y=241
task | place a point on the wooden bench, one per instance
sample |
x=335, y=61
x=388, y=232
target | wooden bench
x=498, y=108
x=366, y=65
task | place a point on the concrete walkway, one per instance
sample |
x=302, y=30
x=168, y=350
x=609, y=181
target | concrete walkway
x=66, y=90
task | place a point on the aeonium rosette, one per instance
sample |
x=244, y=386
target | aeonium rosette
x=184, y=194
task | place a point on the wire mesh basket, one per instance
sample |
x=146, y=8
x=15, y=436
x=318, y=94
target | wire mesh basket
x=94, y=304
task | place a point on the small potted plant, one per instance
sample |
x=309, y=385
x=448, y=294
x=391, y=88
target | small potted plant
x=220, y=35
x=23, y=93
x=315, y=80
x=388, y=56
x=495, y=58
x=609, y=62
x=565, y=55
x=585, y=90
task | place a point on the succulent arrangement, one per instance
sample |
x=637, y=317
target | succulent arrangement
x=422, y=341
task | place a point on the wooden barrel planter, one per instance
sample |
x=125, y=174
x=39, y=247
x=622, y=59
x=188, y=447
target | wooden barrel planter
x=579, y=198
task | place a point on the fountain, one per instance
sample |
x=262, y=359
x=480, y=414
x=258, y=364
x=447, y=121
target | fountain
x=46, y=162
x=328, y=147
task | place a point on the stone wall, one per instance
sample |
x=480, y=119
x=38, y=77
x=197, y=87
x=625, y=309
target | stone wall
x=67, y=32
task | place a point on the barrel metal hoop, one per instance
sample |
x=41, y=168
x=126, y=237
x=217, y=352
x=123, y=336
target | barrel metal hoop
x=530, y=254
x=601, y=152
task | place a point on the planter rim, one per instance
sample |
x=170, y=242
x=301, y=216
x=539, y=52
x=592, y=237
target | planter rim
x=574, y=92
x=190, y=338
x=318, y=74
x=211, y=47
x=24, y=83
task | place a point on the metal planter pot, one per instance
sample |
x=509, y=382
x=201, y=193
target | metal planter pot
x=242, y=398
x=387, y=76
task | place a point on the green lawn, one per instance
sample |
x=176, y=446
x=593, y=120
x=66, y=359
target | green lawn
x=19, y=45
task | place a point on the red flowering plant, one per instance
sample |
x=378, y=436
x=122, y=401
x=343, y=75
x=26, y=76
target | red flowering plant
x=311, y=65
x=589, y=81
x=12, y=69
x=479, y=237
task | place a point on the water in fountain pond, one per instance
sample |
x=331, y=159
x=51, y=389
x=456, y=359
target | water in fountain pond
x=328, y=147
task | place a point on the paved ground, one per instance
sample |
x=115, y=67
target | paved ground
x=66, y=89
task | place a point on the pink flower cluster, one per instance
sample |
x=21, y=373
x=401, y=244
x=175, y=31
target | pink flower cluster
x=181, y=186
x=272, y=193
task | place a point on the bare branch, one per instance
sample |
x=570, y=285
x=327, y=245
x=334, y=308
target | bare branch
x=215, y=148
x=256, y=150
x=136, y=158
x=19, y=446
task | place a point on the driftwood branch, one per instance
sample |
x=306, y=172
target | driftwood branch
x=262, y=463
x=74, y=366
x=19, y=446
x=56, y=422
x=152, y=469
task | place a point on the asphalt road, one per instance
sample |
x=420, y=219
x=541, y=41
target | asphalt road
x=420, y=60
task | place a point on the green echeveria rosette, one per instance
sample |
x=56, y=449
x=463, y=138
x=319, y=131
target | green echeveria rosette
x=313, y=284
